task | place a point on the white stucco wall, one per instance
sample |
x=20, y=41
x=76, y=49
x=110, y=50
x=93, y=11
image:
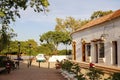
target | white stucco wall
x=111, y=28
x=119, y=52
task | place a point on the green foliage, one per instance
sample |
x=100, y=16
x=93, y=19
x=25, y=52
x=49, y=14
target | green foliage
x=46, y=49
x=73, y=68
x=67, y=25
x=62, y=52
x=65, y=52
x=114, y=76
x=76, y=69
x=46, y=37
x=98, y=14
x=55, y=38
x=94, y=74
x=2, y=14
x=67, y=65
x=11, y=8
x=80, y=77
x=5, y=36
x=70, y=24
x=24, y=47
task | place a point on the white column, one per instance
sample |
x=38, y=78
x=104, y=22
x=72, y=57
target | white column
x=93, y=55
x=108, y=53
x=118, y=52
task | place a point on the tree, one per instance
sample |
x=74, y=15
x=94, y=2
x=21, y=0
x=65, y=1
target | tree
x=47, y=37
x=4, y=39
x=60, y=25
x=34, y=46
x=55, y=38
x=24, y=47
x=51, y=38
x=46, y=49
x=98, y=14
x=5, y=35
x=10, y=8
x=66, y=40
x=69, y=24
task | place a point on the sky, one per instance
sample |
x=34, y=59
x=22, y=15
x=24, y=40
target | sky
x=31, y=25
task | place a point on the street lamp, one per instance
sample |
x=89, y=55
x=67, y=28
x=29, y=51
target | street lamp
x=8, y=50
x=30, y=50
x=18, y=55
x=30, y=59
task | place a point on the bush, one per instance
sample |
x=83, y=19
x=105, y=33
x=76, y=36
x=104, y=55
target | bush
x=114, y=76
x=95, y=74
x=76, y=69
x=67, y=65
x=80, y=77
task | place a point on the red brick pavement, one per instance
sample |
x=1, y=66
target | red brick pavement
x=33, y=73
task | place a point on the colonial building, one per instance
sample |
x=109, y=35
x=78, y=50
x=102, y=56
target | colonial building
x=98, y=41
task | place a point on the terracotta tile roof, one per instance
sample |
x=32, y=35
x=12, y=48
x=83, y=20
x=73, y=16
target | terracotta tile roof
x=100, y=20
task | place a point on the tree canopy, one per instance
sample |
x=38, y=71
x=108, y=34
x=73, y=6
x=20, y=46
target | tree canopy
x=69, y=24
x=98, y=14
x=5, y=36
x=24, y=47
x=55, y=38
x=9, y=9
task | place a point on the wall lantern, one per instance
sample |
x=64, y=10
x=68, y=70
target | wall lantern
x=82, y=40
x=103, y=36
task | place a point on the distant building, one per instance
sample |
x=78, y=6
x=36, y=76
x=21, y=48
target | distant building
x=98, y=41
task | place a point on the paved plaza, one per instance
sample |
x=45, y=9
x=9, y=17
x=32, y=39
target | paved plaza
x=33, y=72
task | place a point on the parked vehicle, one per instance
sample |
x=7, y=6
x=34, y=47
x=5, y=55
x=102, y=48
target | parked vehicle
x=2, y=61
x=8, y=67
x=40, y=58
x=6, y=63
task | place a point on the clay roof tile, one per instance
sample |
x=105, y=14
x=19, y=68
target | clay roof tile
x=100, y=20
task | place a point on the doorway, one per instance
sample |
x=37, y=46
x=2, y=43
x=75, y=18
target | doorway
x=114, y=52
x=96, y=53
x=83, y=52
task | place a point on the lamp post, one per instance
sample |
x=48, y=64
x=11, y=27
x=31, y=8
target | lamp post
x=30, y=50
x=30, y=59
x=18, y=55
x=8, y=50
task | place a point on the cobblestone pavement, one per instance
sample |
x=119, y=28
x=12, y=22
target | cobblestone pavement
x=33, y=73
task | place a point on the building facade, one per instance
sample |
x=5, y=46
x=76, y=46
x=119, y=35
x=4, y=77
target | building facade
x=98, y=41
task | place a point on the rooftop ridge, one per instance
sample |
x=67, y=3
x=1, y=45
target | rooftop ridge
x=100, y=20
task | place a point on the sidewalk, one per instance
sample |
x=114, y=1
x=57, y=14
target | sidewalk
x=33, y=73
